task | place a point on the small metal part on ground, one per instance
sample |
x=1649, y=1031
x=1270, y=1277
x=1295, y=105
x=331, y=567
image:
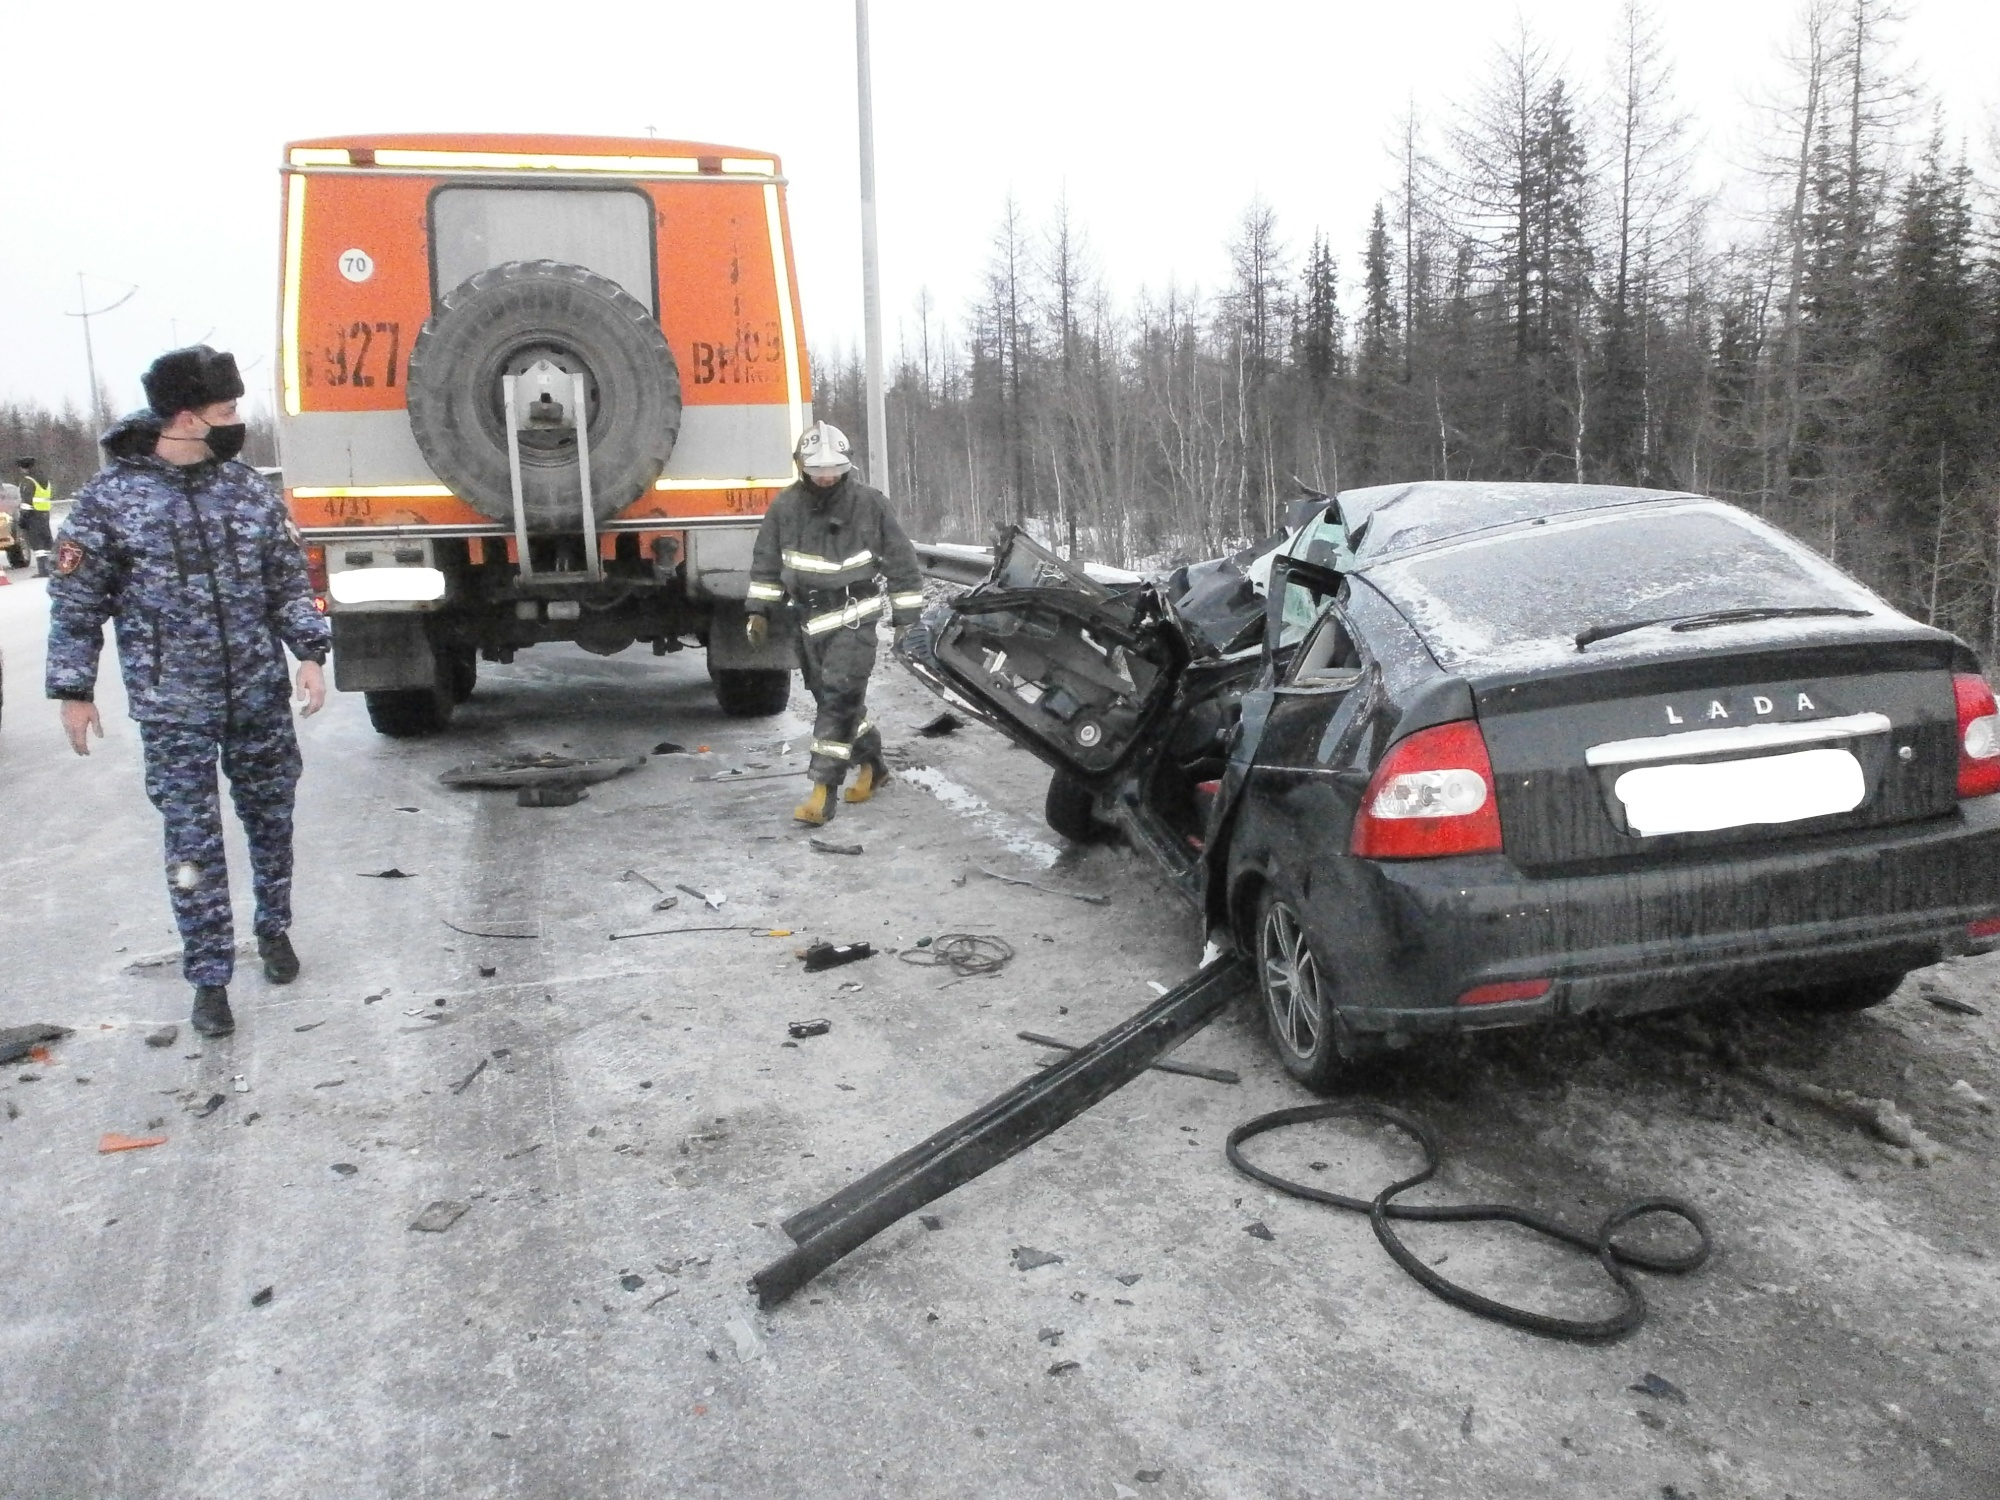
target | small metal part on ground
x=800, y=1030
x=345, y=1168
x=966, y=954
x=828, y=846
x=670, y=747
x=1659, y=1388
x=945, y=723
x=752, y=775
x=392, y=873
x=541, y=770
x=262, y=1296
x=823, y=956
x=1953, y=1004
x=1027, y=1258
x=1035, y=885
x=466, y=1082
x=440, y=1216
x=671, y=931
x=166, y=1036
x=488, y=932
x=1164, y=1065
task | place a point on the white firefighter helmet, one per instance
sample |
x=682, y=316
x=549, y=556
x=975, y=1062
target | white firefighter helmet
x=823, y=450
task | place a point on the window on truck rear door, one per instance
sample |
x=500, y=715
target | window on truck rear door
x=606, y=230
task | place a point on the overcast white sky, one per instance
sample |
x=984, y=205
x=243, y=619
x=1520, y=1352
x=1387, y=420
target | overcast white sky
x=149, y=153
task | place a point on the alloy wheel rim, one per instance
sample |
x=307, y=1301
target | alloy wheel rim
x=1291, y=982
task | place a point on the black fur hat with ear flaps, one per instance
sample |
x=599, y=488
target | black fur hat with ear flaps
x=189, y=379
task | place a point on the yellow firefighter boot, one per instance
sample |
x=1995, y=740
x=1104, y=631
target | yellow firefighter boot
x=818, y=806
x=867, y=783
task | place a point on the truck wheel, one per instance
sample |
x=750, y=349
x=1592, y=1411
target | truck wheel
x=1071, y=810
x=403, y=713
x=464, y=675
x=1841, y=997
x=742, y=693
x=502, y=321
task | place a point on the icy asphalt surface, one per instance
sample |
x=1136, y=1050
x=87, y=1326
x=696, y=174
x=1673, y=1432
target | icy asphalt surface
x=639, y=1127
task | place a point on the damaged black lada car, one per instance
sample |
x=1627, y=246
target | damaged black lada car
x=1451, y=755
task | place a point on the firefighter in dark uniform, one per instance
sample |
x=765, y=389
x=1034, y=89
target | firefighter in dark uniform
x=195, y=558
x=825, y=543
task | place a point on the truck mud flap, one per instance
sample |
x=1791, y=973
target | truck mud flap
x=1033, y=1108
x=386, y=651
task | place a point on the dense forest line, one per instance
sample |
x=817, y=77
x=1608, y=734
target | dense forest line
x=1540, y=295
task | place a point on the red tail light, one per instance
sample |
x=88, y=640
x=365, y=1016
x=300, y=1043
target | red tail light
x=316, y=568
x=1978, y=736
x=1433, y=795
x=1511, y=989
x=1984, y=928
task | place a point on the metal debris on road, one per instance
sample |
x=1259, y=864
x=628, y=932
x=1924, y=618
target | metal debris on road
x=1659, y=1388
x=670, y=747
x=309, y=1026
x=1953, y=1004
x=329, y=1083
x=930, y=1221
x=713, y=900
x=17, y=1042
x=800, y=1030
x=111, y=1141
x=1027, y=1258
x=945, y=723
x=409, y=809
x=966, y=954
x=823, y=956
x=440, y=1216
x=631, y=1281
x=392, y=873
x=671, y=931
x=1165, y=1065
x=345, y=1168
x=466, y=1082
x=1049, y=1336
x=1035, y=885
x=1259, y=1231
x=262, y=1297
x=752, y=775
x=1129, y=1278
x=239, y=1084
x=524, y=1151
x=487, y=932
x=215, y=1102
x=1064, y=1366
x=828, y=846
x=540, y=770
x=166, y=1036
x=672, y=1291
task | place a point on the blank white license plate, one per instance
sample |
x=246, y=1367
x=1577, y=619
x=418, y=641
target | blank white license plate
x=1741, y=793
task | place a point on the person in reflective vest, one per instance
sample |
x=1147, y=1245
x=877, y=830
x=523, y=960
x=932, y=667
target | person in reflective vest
x=826, y=547
x=37, y=499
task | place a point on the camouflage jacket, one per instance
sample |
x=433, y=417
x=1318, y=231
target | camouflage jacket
x=202, y=569
x=816, y=541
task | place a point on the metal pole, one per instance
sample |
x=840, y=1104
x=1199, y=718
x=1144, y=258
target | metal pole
x=89, y=356
x=871, y=279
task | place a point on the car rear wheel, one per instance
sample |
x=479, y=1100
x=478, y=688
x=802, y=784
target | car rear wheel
x=745, y=693
x=1071, y=809
x=1297, y=996
x=1842, y=996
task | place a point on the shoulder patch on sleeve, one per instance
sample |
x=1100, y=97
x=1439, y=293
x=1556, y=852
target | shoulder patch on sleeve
x=69, y=557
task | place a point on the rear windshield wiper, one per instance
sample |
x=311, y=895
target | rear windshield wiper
x=1717, y=617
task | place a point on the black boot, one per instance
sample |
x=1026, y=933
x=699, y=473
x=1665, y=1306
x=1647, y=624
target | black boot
x=211, y=1011
x=281, y=965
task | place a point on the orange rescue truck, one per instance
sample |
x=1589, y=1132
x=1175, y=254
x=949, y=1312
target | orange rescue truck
x=535, y=388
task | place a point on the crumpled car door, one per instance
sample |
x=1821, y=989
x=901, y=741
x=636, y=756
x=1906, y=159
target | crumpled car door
x=1067, y=667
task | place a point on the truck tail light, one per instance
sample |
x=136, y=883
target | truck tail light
x=1433, y=795
x=316, y=568
x=1978, y=736
x=1511, y=989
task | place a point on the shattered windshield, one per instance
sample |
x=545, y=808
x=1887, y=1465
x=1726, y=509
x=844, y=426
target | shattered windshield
x=1522, y=599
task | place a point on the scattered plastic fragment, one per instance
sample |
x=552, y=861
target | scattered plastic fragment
x=712, y=899
x=631, y=1281
x=930, y=1221
x=1027, y=1258
x=540, y=771
x=800, y=1030
x=744, y=1337
x=166, y=1036
x=1951, y=1003
x=215, y=1102
x=670, y=747
x=111, y=1141
x=550, y=796
x=440, y=1216
x=822, y=956
x=1049, y=1336
x=535, y=932
x=1035, y=885
x=345, y=1168
x=1156, y=987
x=239, y=1084
x=524, y=1151
x=1130, y=1278
x=466, y=1082
x=828, y=846
x=392, y=873
x=17, y=1042
x=309, y=1026
x=945, y=723
x=409, y=809
x=1659, y=1388
x=487, y=971
x=1064, y=1366
x=371, y=999
x=1150, y=1476
x=1259, y=1231
x=263, y=1296
x=329, y=1083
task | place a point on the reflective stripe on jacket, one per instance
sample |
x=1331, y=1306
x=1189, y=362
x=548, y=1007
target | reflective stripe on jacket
x=833, y=541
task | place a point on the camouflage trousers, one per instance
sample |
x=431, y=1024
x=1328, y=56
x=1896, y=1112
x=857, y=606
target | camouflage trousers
x=836, y=666
x=261, y=760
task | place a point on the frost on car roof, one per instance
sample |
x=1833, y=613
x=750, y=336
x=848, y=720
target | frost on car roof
x=1387, y=518
x=1517, y=600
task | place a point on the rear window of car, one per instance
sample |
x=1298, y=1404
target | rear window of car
x=1521, y=599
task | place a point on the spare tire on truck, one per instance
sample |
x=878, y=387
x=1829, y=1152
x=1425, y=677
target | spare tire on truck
x=500, y=322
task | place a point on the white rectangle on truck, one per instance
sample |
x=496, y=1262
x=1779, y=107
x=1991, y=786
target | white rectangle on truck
x=1740, y=793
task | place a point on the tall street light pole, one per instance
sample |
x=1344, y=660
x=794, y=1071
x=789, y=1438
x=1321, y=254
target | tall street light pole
x=871, y=277
x=99, y=417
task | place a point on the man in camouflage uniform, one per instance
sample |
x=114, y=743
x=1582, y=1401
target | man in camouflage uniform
x=825, y=541
x=195, y=558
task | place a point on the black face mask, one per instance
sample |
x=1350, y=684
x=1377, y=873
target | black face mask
x=226, y=442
